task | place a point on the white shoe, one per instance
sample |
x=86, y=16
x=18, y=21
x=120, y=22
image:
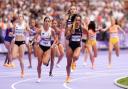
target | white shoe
x=72, y=70
x=38, y=80
x=58, y=66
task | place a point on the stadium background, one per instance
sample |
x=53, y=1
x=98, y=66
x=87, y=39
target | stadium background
x=98, y=10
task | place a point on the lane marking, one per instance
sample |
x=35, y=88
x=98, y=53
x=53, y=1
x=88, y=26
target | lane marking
x=95, y=76
x=97, y=73
x=18, y=82
x=22, y=81
x=62, y=73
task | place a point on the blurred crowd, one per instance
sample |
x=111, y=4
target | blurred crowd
x=98, y=10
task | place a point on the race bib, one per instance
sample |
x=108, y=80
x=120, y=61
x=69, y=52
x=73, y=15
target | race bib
x=76, y=38
x=19, y=32
x=92, y=37
x=113, y=35
x=45, y=43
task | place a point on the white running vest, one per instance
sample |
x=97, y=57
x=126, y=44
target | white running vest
x=46, y=37
x=19, y=29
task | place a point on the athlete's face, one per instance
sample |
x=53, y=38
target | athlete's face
x=47, y=22
x=78, y=20
x=33, y=22
x=54, y=23
x=20, y=17
x=62, y=23
x=73, y=10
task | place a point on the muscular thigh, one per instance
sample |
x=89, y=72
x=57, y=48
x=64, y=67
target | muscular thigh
x=15, y=51
x=46, y=56
x=39, y=53
x=69, y=52
x=22, y=49
x=77, y=52
x=61, y=48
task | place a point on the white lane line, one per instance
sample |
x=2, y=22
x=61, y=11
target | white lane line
x=22, y=81
x=65, y=85
x=120, y=85
x=95, y=76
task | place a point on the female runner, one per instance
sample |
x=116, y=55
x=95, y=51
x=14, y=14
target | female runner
x=8, y=44
x=58, y=48
x=20, y=28
x=32, y=41
x=91, y=43
x=113, y=40
x=44, y=49
x=74, y=47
